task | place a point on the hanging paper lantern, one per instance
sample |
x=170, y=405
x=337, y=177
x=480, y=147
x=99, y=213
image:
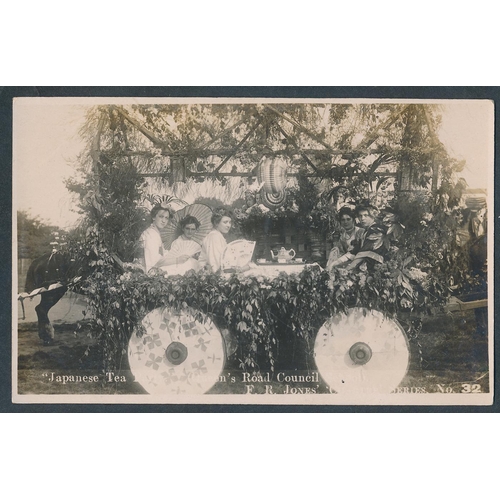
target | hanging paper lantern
x=272, y=200
x=272, y=174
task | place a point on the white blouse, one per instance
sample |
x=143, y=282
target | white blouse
x=212, y=250
x=152, y=246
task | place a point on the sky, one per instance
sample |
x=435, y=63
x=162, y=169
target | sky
x=465, y=130
x=46, y=142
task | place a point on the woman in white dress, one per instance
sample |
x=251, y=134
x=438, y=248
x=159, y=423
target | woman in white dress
x=214, y=244
x=154, y=255
x=184, y=247
x=184, y=244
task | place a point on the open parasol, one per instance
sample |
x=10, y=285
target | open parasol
x=177, y=353
x=361, y=351
x=204, y=215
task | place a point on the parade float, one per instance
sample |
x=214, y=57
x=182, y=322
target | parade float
x=284, y=171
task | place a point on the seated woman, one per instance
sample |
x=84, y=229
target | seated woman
x=214, y=244
x=342, y=252
x=184, y=244
x=154, y=255
x=373, y=245
x=184, y=247
x=150, y=240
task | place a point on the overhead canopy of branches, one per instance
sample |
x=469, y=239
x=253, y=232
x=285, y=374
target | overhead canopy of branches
x=330, y=141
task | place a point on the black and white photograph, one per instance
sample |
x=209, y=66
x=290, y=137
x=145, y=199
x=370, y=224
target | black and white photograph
x=252, y=251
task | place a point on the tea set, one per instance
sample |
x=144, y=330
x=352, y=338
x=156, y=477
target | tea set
x=283, y=256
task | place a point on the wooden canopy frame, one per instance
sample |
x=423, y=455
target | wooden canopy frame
x=226, y=154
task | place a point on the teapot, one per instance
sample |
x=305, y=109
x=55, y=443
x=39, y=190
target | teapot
x=283, y=255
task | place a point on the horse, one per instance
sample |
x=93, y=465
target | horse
x=53, y=268
x=53, y=272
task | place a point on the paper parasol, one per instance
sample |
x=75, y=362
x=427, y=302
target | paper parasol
x=177, y=354
x=361, y=352
x=204, y=215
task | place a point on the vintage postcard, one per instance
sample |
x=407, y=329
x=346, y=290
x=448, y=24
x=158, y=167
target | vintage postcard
x=253, y=251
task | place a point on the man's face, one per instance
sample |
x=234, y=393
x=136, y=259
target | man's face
x=365, y=219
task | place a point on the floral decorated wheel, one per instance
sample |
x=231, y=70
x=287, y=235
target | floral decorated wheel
x=361, y=352
x=177, y=354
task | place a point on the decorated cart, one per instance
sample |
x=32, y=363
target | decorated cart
x=284, y=171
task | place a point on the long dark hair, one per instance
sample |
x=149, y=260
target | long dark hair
x=346, y=211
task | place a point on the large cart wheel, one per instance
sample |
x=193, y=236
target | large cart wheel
x=361, y=352
x=177, y=354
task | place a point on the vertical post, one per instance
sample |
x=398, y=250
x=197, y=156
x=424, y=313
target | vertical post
x=435, y=175
x=435, y=143
x=96, y=145
x=410, y=137
x=404, y=177
x=95, y=153
x=177, y=169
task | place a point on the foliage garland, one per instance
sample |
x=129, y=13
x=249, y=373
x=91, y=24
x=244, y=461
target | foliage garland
x=263, y=314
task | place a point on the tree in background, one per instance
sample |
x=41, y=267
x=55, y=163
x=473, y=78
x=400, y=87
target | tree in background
x=34, y=236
